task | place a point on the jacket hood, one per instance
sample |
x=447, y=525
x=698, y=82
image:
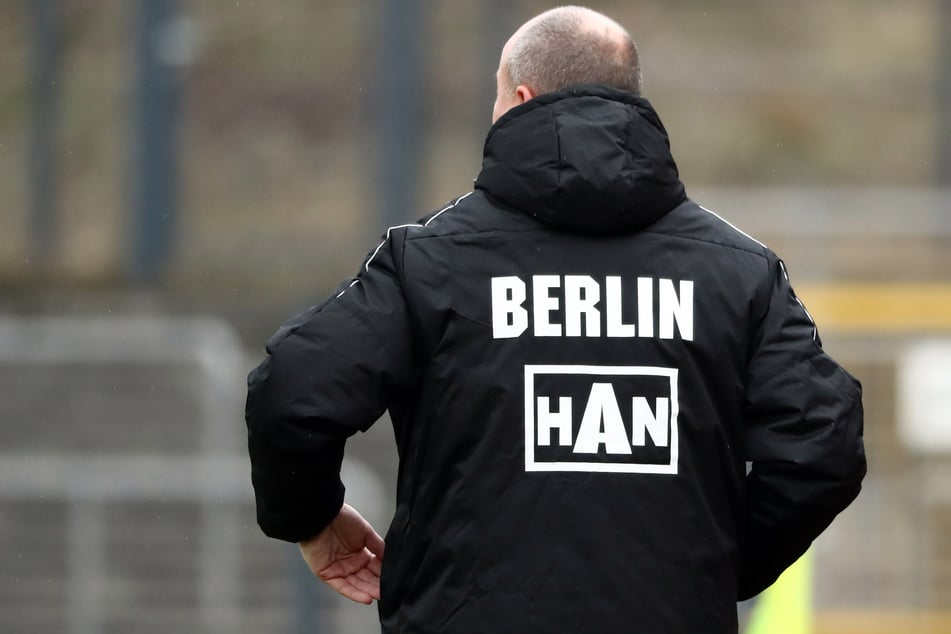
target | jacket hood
x=589, y=158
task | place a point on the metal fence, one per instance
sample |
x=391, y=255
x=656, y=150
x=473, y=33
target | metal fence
x=121, y=483
x=125, y=498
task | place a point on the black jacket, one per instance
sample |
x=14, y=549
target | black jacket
x=579, y=363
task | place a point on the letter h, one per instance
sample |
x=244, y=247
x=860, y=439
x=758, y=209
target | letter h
x=549, y=420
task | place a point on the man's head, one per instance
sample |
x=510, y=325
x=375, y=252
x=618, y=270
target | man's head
x=564, y=47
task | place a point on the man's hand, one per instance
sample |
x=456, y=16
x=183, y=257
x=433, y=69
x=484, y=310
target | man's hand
x=348, y=555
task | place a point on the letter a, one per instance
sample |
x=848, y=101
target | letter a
x=602, y=406
x=509, y=319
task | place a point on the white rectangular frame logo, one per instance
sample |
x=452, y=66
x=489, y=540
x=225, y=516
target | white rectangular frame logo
x=531, y=371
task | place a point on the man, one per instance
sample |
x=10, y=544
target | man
x=579, y=363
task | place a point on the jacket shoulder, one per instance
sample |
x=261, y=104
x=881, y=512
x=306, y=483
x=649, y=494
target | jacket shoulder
x=469, y=214
x=692, y=221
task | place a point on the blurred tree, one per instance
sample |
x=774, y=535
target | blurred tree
x=943, y=89
x=399, y=109
x=45, y=92
x=156, y=177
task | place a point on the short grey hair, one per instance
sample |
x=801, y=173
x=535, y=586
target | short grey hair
x=557, y=51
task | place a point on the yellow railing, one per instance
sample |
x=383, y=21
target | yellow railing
x=883, y=308
x=882, y=622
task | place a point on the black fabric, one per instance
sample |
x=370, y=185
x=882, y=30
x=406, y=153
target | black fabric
x=639, y=306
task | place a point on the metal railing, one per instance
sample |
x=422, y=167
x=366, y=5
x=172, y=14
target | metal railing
x=215, y=478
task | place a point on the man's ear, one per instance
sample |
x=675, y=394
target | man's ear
x=524, y=93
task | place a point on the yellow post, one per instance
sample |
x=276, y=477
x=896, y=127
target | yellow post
x=786, y=606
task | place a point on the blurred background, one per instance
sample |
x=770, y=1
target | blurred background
x=178, y=177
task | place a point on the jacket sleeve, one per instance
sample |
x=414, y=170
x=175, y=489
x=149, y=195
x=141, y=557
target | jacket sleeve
x=803, y=437
x=329, y=373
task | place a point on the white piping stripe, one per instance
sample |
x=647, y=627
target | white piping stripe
x=733, y=226
x=366, y=266
x=815, y=329
x=414, y=224
x=782, y=265
x=352, y=284
x=447, y=208
x=380, y=246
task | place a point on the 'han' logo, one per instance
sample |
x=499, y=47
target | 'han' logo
x=615, y=419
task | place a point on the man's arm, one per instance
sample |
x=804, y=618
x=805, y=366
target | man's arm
x=329, y=373
x=803, y=435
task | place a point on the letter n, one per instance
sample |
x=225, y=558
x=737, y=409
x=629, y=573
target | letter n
x=657, y=425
